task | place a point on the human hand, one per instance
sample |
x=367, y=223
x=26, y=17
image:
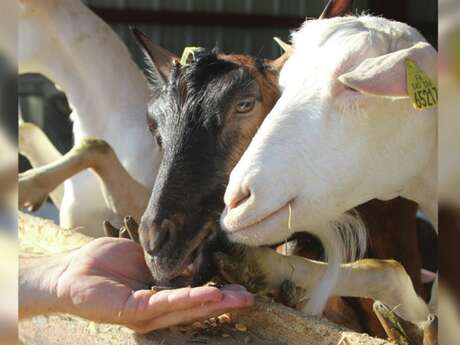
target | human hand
x=106, y=281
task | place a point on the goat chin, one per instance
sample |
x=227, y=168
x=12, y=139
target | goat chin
x=344, y=240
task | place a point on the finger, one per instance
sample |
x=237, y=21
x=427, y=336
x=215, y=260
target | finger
x=232, y=300
x=145, y=304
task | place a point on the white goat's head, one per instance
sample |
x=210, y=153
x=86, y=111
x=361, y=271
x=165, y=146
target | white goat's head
x=343, y=132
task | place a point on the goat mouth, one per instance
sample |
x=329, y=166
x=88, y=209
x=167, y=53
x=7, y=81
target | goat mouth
x=264, y=218
x=184, y=272
x=188, y=267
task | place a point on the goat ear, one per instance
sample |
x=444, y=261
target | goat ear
x=386, y=75
x=160, y=59
x=283, y=45
x=337, y=8
x=278, y=63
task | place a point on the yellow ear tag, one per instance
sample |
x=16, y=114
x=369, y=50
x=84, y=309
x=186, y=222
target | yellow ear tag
x=185, y=59
x=421, y=89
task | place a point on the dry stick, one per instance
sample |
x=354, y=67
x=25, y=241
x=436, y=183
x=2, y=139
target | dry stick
x=132, y=228
x=343, y=341
x=124, y=233
x=110, y=230
x=129, y=230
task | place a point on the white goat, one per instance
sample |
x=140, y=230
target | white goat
x=343, y=132
x=70, y=45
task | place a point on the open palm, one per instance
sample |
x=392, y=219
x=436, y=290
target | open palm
x=107, y=281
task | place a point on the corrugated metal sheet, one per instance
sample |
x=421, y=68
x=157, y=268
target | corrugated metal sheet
x=229, y=40
x=272, y=7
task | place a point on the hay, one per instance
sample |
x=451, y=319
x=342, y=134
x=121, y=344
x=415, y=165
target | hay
x=39, y=236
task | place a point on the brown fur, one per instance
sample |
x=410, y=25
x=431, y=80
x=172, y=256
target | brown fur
x=267, y=82
x=449, y=239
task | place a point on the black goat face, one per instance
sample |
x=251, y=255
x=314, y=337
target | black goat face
x=203, y=118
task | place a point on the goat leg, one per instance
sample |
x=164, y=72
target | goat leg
x=291, y=295
x=35, y=145
x=122, y=193
x=264, y=271
x=35, y=184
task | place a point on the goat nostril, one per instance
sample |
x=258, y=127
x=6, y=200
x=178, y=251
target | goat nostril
x=169, y=227
x=241, y=195
x=163, y=234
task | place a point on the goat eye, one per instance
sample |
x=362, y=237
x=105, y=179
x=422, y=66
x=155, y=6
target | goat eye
x=158, y=139
x=152, y=125
x=350, y=89
x=245, y=105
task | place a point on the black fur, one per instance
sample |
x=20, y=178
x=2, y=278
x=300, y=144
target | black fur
x=187, y=120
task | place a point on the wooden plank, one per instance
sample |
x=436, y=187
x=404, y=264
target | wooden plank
x=57, y=330
x=267, y=323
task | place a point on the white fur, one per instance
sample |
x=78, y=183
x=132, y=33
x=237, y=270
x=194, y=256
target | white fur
x=327, y=149
x=70, y=45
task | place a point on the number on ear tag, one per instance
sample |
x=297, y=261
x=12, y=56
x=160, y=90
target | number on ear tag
x=421, y=89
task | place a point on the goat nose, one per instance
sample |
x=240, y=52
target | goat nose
x=161, y=235
x=236, y=195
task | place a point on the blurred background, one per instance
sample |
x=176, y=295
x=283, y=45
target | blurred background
x=449, y=170
x=8, y=172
